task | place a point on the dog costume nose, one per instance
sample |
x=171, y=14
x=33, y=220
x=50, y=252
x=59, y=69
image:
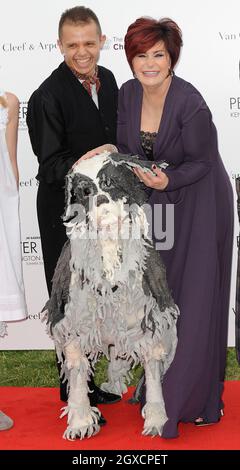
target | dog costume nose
x=102, y=199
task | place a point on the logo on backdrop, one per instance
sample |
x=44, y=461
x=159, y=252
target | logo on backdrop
x=23, y=47
x=23, y=106
x=32, y=250
x=116, y=43
x=229, y=36
x=34, y=316
x=32, y=182
x=234, y=106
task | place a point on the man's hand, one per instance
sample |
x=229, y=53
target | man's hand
x=103, y=148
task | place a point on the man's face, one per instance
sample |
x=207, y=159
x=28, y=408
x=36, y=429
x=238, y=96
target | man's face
x=81, y=45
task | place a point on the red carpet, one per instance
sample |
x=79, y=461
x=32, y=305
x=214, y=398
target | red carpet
x=37, y=426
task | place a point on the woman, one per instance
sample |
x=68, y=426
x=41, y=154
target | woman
x=12, y=299
x=162, y=117
x=166, y=118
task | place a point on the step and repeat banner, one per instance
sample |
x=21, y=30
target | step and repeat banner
x=210, y=60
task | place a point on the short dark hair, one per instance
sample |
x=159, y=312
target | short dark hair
x=145, y=32
x=78, y=15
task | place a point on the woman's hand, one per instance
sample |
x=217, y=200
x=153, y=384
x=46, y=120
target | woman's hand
x=103, y=148
x=157, y=181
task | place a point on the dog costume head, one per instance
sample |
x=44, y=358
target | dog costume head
x=105, y=195
x=104, y=202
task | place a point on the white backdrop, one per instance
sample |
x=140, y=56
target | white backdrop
x=210, y=60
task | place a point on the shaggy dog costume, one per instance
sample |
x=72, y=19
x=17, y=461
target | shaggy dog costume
x=110, y=294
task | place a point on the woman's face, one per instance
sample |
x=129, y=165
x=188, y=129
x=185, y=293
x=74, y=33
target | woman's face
x=151, y=68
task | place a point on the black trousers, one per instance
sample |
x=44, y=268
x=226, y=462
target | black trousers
x=50, y=208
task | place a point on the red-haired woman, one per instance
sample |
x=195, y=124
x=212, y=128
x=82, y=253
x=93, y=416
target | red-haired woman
x=163, y=117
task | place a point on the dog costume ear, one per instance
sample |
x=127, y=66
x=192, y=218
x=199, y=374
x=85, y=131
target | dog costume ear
x=135, y=161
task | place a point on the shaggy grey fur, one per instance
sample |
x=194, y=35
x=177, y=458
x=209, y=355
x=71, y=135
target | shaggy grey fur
x=127, y=304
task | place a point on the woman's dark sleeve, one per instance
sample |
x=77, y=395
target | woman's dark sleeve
x=197, y=133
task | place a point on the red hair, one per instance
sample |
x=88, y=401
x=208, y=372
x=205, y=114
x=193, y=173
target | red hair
x=145, y=32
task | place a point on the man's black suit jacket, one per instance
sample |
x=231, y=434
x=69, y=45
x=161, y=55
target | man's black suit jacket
x=64, y=122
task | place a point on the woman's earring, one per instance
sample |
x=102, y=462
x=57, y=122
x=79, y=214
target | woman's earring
x=170, y=72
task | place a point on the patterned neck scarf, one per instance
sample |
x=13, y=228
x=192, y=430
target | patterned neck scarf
x=88, y=81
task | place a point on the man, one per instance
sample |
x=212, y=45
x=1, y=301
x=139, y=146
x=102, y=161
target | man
x=73, y=111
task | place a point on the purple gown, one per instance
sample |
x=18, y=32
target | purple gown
x=199, y=264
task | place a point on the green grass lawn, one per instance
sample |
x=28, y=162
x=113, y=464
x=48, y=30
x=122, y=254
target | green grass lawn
x=38, y=369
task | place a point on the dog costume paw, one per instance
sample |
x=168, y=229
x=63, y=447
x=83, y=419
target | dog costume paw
x=82, y=422
x=155, y=418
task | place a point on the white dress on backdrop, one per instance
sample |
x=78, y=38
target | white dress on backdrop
x=12, y=296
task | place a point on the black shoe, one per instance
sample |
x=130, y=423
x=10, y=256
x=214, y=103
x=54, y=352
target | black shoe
x=205, y=422
x=102, y=421
x=100, y=397
x=97, y=397
x=63, y=395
